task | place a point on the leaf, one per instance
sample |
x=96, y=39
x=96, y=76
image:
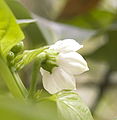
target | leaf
x=54, y=31
x=46, y=31
x=33, y=33
x=10, y=32
x=71, y=107
x=12, y=109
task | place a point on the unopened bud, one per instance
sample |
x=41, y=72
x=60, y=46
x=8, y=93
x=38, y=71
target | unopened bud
x=10, y=56
x=18, y=48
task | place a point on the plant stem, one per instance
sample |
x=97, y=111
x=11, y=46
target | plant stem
x=34, y=79
x=35, y=74
x=6, y=75
x=19, y=83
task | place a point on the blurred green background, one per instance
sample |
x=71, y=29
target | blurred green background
x=92, y=23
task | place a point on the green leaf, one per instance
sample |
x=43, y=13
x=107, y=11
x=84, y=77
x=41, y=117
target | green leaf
x=12, y=109
x=71, y=107
x=33, y=33
x=10, y=32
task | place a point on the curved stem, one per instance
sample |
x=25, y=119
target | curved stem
x=35, y=73
x=34, y=79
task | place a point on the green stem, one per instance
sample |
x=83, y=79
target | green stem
x=34, y=79
x=19, y=83
x=7, y=76
x=35, y=73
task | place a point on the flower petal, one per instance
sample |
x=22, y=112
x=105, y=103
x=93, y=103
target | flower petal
x=72, y=62
x=57, y=81
x=67, y=45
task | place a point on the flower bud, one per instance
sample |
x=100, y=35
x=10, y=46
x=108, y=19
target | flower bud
x=10, y=56
x=18, y=48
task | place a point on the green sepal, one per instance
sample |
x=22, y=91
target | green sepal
x=48, y=65
x=50, y=62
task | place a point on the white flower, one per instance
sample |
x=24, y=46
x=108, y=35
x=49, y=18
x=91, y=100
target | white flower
x=58, y=80
x=67, y=45
x=70, y=63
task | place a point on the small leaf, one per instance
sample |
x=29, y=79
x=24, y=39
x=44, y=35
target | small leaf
x=10, y=32
x=71, y=107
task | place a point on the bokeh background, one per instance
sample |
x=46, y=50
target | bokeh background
x=92, y=23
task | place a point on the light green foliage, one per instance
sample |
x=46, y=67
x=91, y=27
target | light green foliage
x=66, y=105
x=10, y=33
x=71, y=107
x=12, y=109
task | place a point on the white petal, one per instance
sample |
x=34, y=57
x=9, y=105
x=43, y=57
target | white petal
x=67, y=45
x=57, y=81
x=72, y=62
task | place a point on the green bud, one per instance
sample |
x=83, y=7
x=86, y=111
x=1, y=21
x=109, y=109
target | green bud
x=10, y=56
x=18, y=47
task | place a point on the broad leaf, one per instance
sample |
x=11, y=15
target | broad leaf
x=10, y=33
x=54, y=31
x=11, y=109
x=71, y=107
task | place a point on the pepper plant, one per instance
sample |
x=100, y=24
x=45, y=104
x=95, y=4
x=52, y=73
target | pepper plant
x=59, y=64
